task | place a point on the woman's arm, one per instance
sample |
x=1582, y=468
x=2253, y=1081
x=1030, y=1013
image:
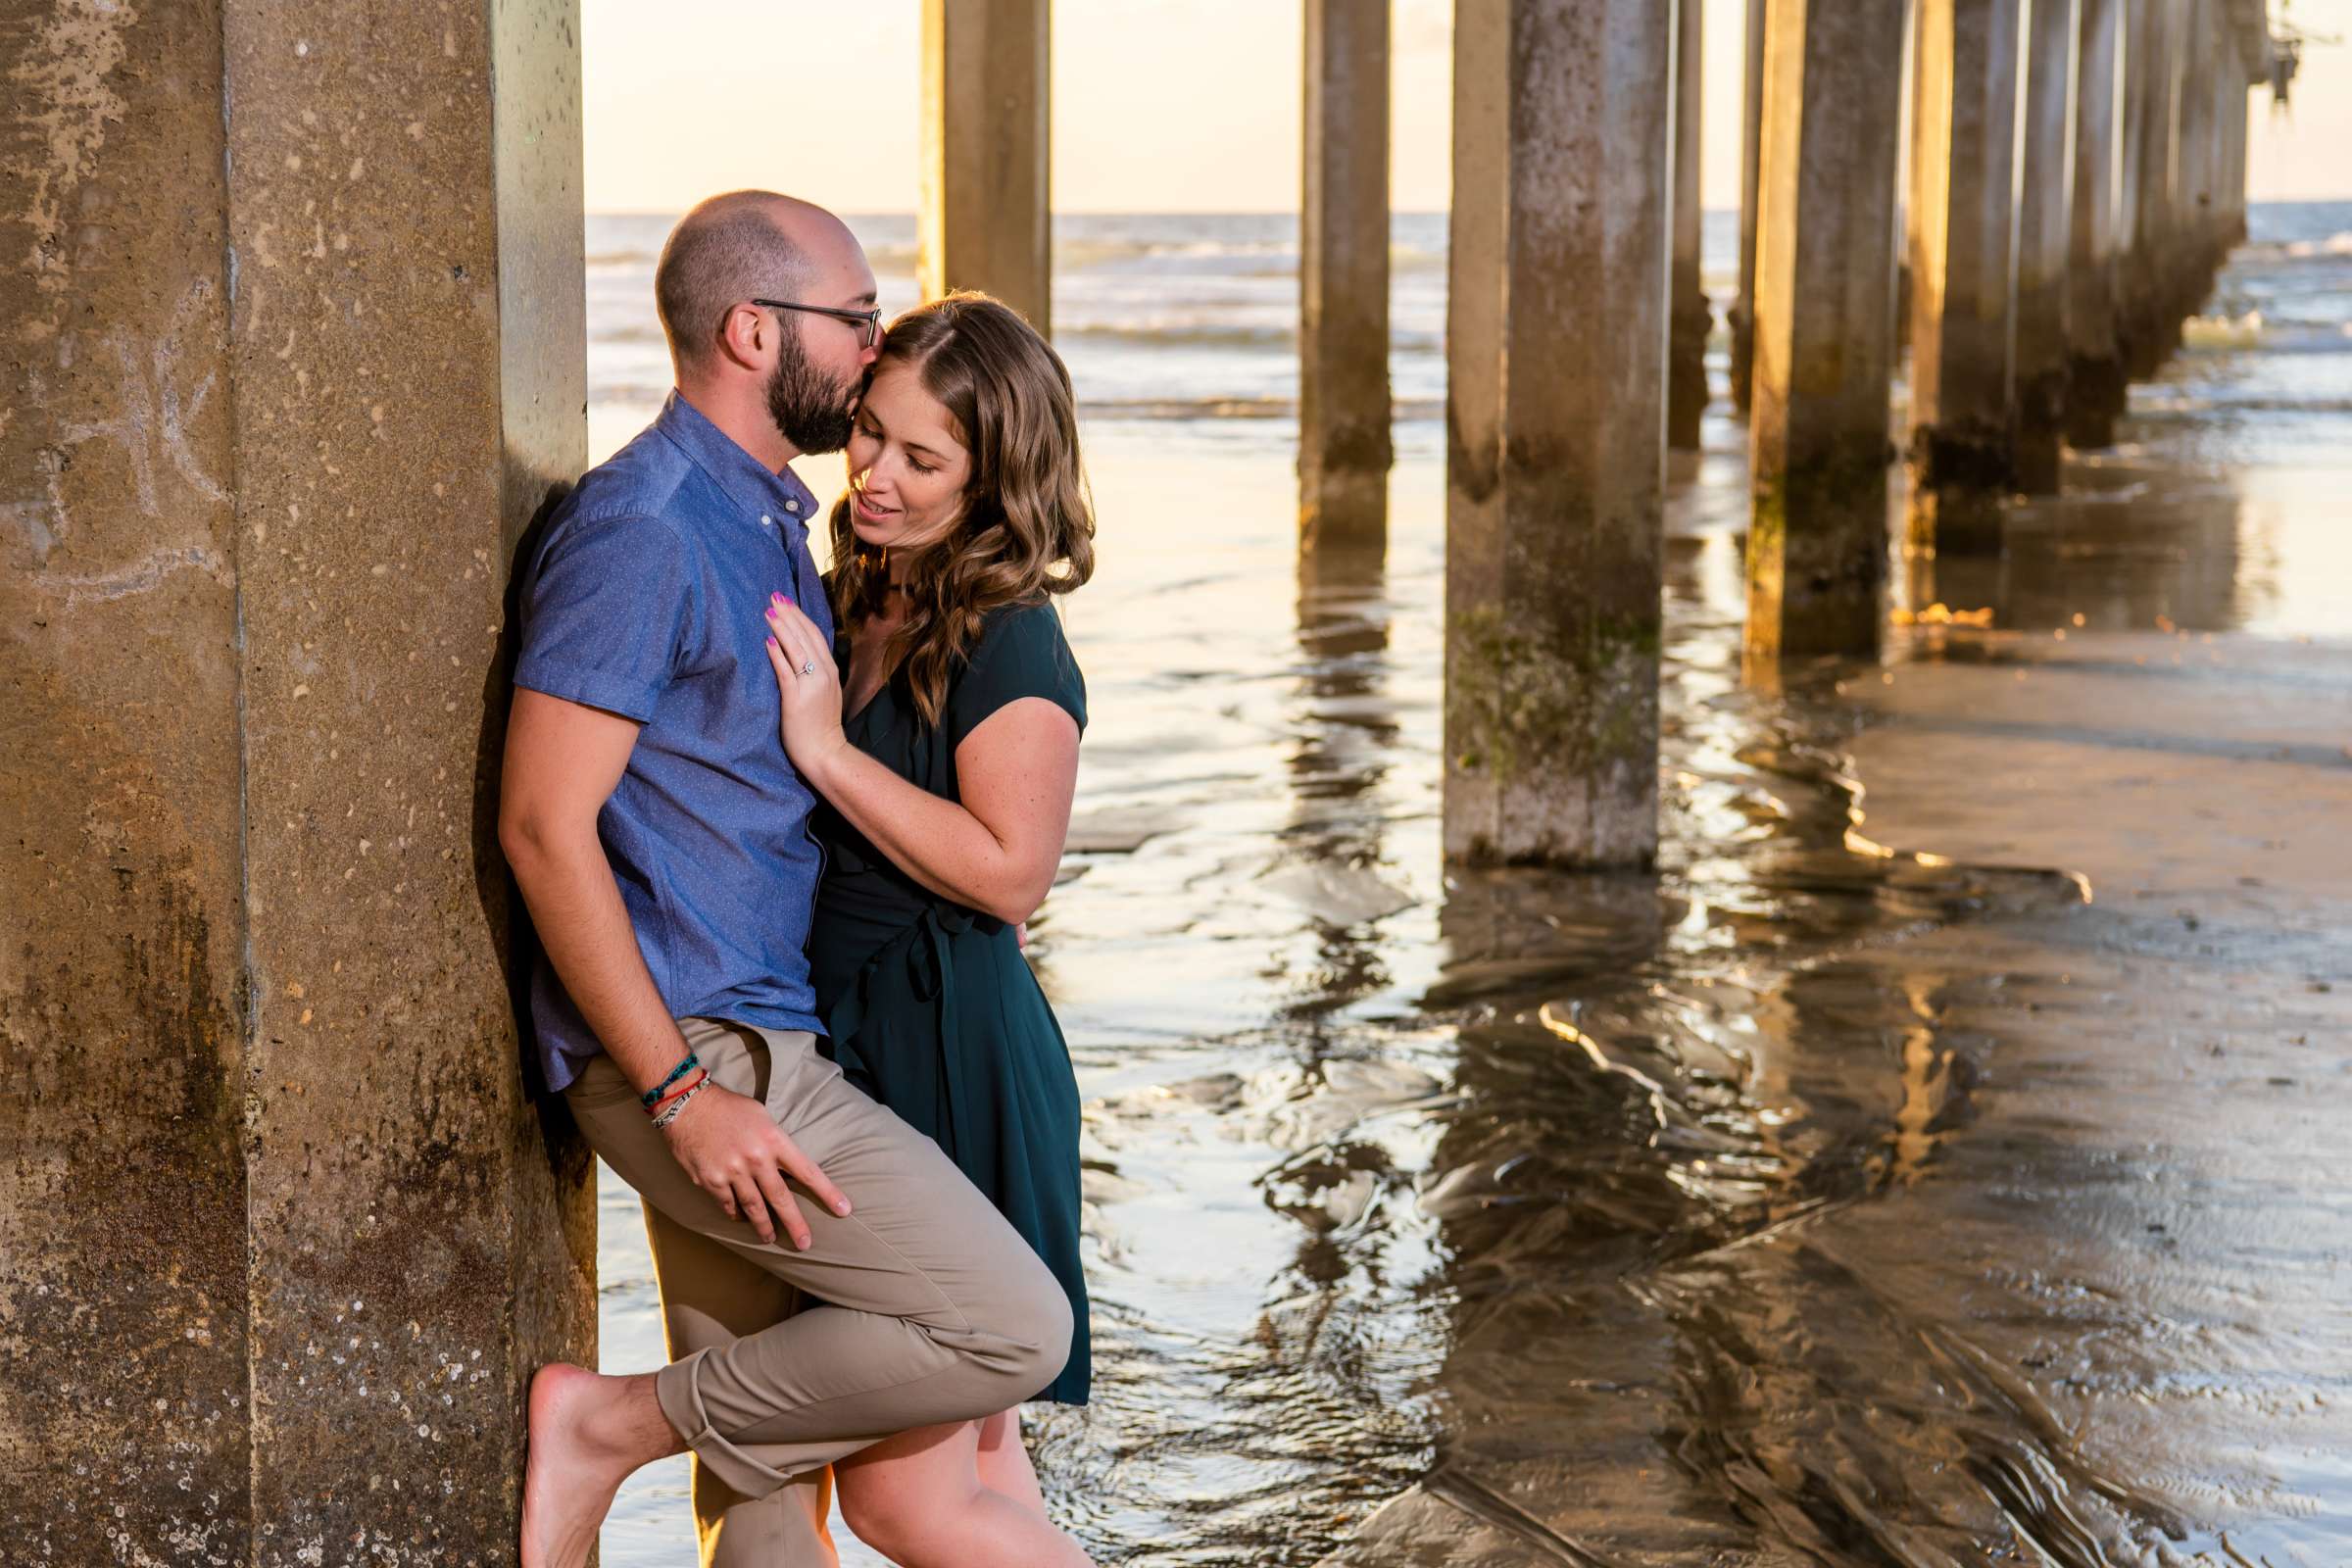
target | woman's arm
x=999, y=849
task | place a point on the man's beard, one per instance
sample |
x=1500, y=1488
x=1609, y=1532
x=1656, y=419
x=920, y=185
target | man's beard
x=810, y=412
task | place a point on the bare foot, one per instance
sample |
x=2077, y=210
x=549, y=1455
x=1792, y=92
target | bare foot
x=569, y=1477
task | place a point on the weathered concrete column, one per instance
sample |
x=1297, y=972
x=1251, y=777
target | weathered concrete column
x=1963, y=270
x=985, y=220
x=2045, y=203
x=1686, y=344
x=299, y=338
x=2094, y=367
x=2151, y=330
x=1343, y=446
x=1824, y=329
x=1555, y=417
x=1742, y=317
x=2193, y=188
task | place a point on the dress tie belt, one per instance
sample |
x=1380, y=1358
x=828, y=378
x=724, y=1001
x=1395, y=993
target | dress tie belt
x=921, y=959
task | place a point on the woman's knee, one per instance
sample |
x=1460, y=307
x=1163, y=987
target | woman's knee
x=1044, y=1327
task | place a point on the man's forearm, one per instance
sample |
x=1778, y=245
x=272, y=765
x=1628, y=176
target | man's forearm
x=576, y=907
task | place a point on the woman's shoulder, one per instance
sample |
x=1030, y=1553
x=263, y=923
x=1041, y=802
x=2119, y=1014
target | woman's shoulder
x=1020, y=652
x=1020, y=629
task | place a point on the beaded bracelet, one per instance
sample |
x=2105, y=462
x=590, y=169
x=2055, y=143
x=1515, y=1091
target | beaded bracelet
x=684, y=1089
x=654, y=1095
x=680, y=1104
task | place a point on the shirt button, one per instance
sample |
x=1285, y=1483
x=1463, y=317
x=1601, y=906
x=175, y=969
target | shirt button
x=766, y=522
x=793, y=506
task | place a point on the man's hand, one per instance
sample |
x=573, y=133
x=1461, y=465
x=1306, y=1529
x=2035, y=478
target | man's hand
x=727, y=1143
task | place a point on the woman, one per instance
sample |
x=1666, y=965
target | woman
x=946, y=796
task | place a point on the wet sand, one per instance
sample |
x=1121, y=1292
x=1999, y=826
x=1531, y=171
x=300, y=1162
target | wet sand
x=2081, y=1296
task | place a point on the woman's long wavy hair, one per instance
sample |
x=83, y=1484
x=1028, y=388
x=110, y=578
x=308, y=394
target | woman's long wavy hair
x=1026, y=530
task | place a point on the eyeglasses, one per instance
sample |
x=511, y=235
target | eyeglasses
x=869, y=322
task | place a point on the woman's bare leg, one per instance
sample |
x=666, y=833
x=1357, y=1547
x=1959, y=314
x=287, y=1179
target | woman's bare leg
x=917, y=1500
x=587, y=1434
x=1004, y=1465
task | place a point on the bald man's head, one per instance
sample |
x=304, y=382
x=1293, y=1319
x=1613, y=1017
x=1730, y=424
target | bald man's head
x=743, y=245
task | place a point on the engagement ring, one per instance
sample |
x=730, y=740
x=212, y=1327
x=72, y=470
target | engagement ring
x=810, y=668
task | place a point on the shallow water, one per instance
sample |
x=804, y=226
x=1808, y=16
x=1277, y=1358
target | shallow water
x=1624, y=1219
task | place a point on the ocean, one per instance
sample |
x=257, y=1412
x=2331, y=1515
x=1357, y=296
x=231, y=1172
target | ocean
x=1325, y=1079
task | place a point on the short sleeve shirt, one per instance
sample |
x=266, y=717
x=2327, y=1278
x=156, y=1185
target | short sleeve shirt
x=647, y=596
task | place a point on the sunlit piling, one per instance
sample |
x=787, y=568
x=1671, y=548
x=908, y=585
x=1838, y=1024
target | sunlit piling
x=1963, y=262
x=985, y=220
x=284, y=1238
x=1824, y=334
x=1555, y=345
x=1691, y=321
x=1343, y=446
x=2045, y=181
x=2094, y=391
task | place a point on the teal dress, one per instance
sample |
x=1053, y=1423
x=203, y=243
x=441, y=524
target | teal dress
x=929, y=1005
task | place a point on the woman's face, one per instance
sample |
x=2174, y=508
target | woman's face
x=908, y=468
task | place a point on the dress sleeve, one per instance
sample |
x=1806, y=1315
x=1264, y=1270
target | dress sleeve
x=1021, y=652
x=605, y=614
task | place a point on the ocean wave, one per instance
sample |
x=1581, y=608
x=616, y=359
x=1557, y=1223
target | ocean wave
x=1217, y=334
x=1234, y=407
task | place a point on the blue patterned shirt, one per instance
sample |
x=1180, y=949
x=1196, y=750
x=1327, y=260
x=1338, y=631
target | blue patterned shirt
x=647, y=596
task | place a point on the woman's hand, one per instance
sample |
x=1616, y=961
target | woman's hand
x=810, y=686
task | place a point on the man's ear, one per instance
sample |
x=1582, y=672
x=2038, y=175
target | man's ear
x=746, y=336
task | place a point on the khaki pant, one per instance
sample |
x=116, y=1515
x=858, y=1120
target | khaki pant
x=931, y=1307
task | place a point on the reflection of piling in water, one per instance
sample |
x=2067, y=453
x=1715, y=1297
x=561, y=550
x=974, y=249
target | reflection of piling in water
x=1824, y=347
x=1691, y=322
x=1963, y=266
x=986, y=219
x=1555, y=344
x=1344, y=449
x=2045, y=183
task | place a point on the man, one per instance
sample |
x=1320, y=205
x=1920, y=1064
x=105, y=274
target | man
x=658, y=833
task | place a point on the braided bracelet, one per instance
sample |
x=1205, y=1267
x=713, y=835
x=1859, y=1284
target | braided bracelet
x=679, y=1093
x=680, y=1104
x=654, y=1095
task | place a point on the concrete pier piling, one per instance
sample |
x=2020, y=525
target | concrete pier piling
x=2044, y=239
x=1824, y=329
x=1343, y=443
x=985, y=214
x=1963, y=449
x=1555, y=415
x=299, y=350
x=1691, y=322
x=1742, y=317
x=2150, y=331
x=2094, y=393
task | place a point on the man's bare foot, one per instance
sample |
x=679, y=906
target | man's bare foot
x=573, y=1464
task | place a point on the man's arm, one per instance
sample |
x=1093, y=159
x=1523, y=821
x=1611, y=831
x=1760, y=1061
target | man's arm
x=563, y=760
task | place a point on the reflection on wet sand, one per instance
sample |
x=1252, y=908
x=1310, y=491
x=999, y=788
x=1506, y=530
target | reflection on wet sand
x=1525, y=1218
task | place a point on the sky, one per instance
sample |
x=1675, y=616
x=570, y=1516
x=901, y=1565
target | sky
x=1158, y=105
